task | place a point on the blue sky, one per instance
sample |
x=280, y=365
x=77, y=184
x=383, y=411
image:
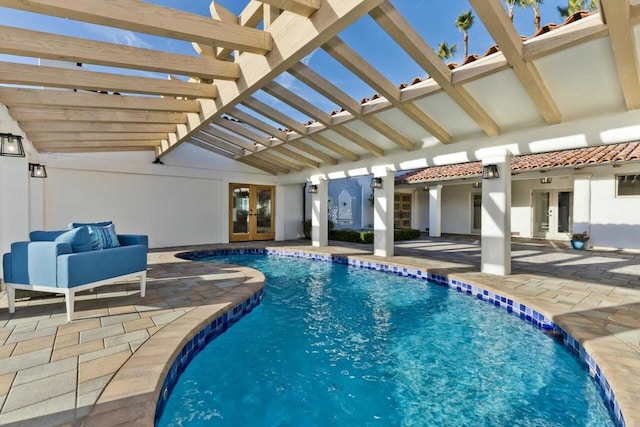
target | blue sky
x=434, y=20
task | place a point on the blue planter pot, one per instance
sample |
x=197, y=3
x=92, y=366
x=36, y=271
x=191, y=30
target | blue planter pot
x=577, y=244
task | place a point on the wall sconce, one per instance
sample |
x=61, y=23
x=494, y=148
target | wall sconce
x=545, y=180
x=376, y=182
x=476, y=185
x=490, y=172
x=425, y=188
x=11, y=145
x=313, y=189
x=37, y=170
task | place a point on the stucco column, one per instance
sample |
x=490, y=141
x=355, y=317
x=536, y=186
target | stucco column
x=320, y=214
x=496, y=216
x=280, y=214
x=14, y=202
x=383, y=214
x=435, y=210
x=582, y=203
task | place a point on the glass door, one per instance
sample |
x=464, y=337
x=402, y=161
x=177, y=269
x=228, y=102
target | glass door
x=251, y=213
x=552, y=214
x=476, y=213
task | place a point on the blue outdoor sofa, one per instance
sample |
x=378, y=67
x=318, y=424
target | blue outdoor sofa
x=70, y=261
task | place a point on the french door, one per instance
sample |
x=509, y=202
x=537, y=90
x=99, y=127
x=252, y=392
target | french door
x=251, y=212
x=552, y=214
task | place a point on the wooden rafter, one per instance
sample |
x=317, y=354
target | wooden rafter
x=37, y=137
x=297, y=156
x=258, y=124
x=66, y=98
x=98, y=149
x=306, y=148
x=296, y=37
x=496, y=20
x=217, y=142
x=265, y=163
x=148, y=18
x=220, y=13
x=258, y=165
x=367, y=73
x=75, y=126
x=315, y=113
x=243, y=130
x=96, y=143
x=230, y=138
x=301, y=7
x=17, y=41
x=406, y=36
x=621, y=34
x=273, y=158
x=327, y=143
x=35, y=75
x=93, y=115
x=251, y=15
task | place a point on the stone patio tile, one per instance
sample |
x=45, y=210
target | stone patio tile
x=6, y=381
x=120, y=318
x=103, y=366
x=126, y=338
x=78, y=326
x=47, y=370
x=135, y=325
x=67, y=340
x=24, y=361
x=104, y=352
x=40, y=390
x=57, y=411
x=76, y=350
x=94, y=384
x=34, y=344
x=6, y=350
x=100, y=333
x=166, y=318
x=56, y=320
x=135, y=345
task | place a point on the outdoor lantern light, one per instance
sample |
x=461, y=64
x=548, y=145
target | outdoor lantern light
x=11, y=145
x=425, y=188
x=490, y=172
x=37, y=170
x=476, y=185
x=545, y=180
x=376, y=182
x=313, y=189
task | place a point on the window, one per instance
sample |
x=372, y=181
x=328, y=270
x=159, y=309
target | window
x=402, y=210
x=628, y=185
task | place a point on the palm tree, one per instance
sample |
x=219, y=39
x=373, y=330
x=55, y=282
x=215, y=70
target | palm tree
x=535, y=5
x=464, y=22
x=577, y=5
x=445, y=51
x=511, y=4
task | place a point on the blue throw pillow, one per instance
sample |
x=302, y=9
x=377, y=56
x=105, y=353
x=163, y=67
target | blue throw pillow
x=78, y=238
x=103, y=237
x=95, y=224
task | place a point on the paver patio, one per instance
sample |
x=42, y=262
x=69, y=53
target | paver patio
x=106, y=367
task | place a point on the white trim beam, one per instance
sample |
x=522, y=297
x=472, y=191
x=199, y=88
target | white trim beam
x=148, y=18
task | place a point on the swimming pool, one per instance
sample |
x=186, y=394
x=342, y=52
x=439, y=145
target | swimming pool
x=332, y=344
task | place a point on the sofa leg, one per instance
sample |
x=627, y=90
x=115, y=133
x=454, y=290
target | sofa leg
x=11, y=297
x=68, y=297
x=143, y=283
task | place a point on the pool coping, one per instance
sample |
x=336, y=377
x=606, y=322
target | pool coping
x=521, y=307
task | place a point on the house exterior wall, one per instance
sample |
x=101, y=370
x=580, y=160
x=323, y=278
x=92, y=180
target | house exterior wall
x=456, y=209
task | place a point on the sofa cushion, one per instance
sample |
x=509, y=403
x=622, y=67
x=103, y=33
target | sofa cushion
x=103, y=237
x=78, y=238
x=95, y=224
x=45, y=236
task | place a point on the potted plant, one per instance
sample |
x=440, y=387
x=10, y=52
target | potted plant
x=578, y=240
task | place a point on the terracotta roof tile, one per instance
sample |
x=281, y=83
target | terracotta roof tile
x=624, y=152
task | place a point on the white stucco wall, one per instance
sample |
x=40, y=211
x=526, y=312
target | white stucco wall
x=456, y=209
x=289, y=215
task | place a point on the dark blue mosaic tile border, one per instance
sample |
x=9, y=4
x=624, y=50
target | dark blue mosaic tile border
x=199, y=341
x=511, y=306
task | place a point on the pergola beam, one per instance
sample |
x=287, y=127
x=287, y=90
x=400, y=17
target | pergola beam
x=224, y=145
x=327, y=143
x=230, y=138
x=301, y=146
x=254, y=163
x=148, y=18
x=211, y=148
x=37, y=44
x=36, y=75
x=39, y=137
x=94, y=115
x=299, y=157
x=407, y=37
x=96, y=143
x=621, y=35
x=497, y=22
x=269, y=156
x=257, y=123
x=66, y=98
x=237, y=128
x=301, y=7
x=69, y=127
x=98, y=149
x=296, y=37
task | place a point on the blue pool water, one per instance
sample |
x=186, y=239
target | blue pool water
x=337, y=346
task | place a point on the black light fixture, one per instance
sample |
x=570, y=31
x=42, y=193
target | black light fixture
x=11, y=145
x=476, y=185
x=490, y=172
x=313, y=189
x=376, y=182
x=37, y=170
x=545, y=180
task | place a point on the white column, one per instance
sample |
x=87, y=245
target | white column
x=496, y=216
x=435, y=210
x=582, y=203
x=281, y=213
x=14, y=201
x=320, y=214
x=36, y=203
x=383, y=215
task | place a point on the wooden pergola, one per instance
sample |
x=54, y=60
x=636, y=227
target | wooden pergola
x=121, y=112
